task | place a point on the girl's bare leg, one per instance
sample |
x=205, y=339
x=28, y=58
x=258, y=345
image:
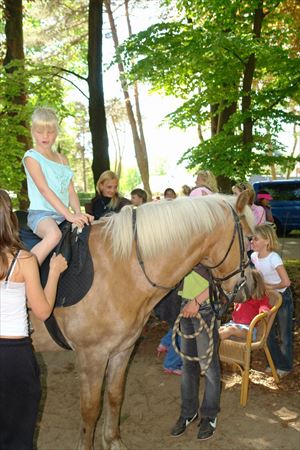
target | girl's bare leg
x=227, y=332
x=50, y=234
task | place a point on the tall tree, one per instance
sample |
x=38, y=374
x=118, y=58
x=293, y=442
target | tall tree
x=234, y=64
x=137, y=104
x=117, y=115
x=14, y=62
x=95, y=81
x=136, y=125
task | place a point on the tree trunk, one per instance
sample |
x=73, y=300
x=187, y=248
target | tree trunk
x=217, y=125
x=95, y=81
x=140, y=150
x=139, y=115
x=247, y=82
x=295, y=134
x=13, y=12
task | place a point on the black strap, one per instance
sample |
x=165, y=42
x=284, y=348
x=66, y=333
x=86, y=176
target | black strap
x=11, y=266
x=140, y=259
x=55, y=332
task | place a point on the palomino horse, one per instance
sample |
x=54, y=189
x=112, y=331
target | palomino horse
x=102, y=328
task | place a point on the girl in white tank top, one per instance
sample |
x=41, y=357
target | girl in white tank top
x=19, y=372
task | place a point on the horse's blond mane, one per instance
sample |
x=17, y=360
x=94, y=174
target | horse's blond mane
x=162, y=225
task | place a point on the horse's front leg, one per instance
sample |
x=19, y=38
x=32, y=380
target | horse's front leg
x=113, y=400
x=92, y=365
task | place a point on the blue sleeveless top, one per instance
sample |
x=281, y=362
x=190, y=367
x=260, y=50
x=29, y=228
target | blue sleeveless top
x=58, y=177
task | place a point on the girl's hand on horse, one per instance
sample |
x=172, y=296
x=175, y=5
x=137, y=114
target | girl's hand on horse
x=80, y=219
x=191, y=309
x=58, y=263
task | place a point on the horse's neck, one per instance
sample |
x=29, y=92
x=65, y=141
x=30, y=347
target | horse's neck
x=173, y=266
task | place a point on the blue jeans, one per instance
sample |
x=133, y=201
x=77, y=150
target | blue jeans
x=190, y=378
x=172, y=360
x=280, y=341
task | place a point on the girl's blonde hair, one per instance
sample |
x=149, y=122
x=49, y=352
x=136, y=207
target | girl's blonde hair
x=268, y=233
x=44, y=117
x=259, y=289
x=108, y=175
x=207, y=179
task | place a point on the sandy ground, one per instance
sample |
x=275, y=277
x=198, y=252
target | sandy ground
x=151, y=406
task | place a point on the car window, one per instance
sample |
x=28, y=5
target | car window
x=282, y=191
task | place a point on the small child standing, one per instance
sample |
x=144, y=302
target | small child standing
x=243, y=314
x=270, y=265
x=172, y=362
x=50, y=187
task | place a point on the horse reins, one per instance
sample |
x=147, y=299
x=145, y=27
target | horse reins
x=140, y=259
x=215, y=287
x=202, y=326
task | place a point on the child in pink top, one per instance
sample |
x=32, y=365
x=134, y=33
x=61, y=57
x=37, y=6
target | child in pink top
x=206, y=184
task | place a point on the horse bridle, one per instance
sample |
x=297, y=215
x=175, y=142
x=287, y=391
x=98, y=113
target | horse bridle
x=140, y=259
x=216, y=290
x=215, y=285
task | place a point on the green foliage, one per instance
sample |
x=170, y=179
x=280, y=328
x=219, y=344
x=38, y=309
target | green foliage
x=203, y=59
x=55, y=32
x=85, y=197
x=130, y=179
x=40, y=88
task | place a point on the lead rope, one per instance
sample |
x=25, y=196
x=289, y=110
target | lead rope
x=202, y=326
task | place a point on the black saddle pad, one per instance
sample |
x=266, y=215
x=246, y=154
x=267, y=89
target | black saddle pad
x=76, y=281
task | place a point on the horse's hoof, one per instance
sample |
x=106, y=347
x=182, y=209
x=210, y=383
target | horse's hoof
x=115, y=445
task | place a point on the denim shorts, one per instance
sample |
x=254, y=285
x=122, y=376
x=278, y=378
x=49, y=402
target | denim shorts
x=35, y=216
x=242, y=326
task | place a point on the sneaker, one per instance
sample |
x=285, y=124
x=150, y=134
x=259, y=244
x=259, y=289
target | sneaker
x=173, y=371
x=207, y=427
x=161, y=349
x=181, y=424
x=282, y=373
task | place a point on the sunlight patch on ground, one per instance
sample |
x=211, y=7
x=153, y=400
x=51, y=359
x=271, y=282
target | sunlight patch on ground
x=288, y=418
x=256, y=377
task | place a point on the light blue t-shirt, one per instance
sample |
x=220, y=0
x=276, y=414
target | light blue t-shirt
x=58, y=177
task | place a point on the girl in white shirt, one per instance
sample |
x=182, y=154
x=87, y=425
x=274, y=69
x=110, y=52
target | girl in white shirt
x=269, y=263
x=19, y=372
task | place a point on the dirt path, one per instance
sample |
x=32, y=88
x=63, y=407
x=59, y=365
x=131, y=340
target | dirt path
x=269, y=421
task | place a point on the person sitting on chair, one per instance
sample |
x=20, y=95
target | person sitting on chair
x=244, y=313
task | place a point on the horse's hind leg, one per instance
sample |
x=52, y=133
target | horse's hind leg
x=113, y=400
x=92, y=367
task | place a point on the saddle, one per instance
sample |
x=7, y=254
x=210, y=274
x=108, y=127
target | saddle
x=76, y=281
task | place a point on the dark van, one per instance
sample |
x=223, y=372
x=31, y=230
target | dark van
x=285, y=204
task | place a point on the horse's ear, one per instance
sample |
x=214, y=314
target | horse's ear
x=242, y=201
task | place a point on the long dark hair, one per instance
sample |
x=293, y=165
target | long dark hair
x=9, y=238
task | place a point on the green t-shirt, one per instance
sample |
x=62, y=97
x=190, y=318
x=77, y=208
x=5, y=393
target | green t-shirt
x=193, y=285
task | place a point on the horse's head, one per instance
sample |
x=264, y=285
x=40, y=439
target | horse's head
x=231, y=276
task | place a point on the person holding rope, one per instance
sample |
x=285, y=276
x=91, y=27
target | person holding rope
x=204, y=346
